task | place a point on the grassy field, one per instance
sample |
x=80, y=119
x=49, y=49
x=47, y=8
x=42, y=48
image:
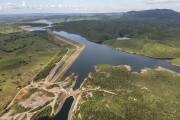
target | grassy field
x=34, y=24
x=152, y=48
x=43, y=115
x=176, y=62
x=70, y=19
x=5, y=28
x=150, y=95
x=22, y=56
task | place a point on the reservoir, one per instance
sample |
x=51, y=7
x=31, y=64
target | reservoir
x=95, y=54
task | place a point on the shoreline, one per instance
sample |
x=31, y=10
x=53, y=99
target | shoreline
x=77, y=99
x=161, y=58
x=78, y=50
x=135, y=53
x=174, y=64
x=70, y=60
x=74, y=106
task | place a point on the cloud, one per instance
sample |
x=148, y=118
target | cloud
x=161, y=1
x=25, y=6
x=58, y=7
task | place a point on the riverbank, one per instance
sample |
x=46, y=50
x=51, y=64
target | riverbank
x=136, y=53
x=175, y=62
x=101, y=53
x=122, y=94
x=146, y=48
x=21, y=58
x=52, y=91
x=70, y=60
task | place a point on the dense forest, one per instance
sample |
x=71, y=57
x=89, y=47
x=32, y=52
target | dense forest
x=153, y=33
x=99, y=31
x=155, y=14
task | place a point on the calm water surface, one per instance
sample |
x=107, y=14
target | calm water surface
x=63, y=114
x=95, y=54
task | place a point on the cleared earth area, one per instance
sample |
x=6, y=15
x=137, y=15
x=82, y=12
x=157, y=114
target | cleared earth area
x=39, y=88
x=22, y=56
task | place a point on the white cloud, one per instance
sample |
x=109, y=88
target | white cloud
x=1, y=8
x=60, y=5
x=161, y=1
x=9, y=3
x=24, y=4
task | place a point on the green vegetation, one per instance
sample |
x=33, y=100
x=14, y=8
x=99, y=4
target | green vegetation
x=6, y=28
x=176, y=62
x=22, y=56
x=70, y=19
x=29, y=93
x=18, y=109
x=40, y=107
x=4, y=110
x=101, y=30
x=50, y=66
x=43, y=115
x=150, y=37
x=34, y=90
x=150, y=95
x=34, y=24
x=152, y=14
x=152, y=48
x=52, y=86
x=57, y=20
x=68, y=50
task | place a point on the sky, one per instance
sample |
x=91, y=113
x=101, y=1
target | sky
x=84, y=6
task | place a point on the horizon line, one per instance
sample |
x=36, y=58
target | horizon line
x=18, y=13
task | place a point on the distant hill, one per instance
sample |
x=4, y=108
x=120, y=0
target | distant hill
x=154, y=14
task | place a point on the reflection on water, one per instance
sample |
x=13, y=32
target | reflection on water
x=63, y=114
x=95, y=54
x=43, y=28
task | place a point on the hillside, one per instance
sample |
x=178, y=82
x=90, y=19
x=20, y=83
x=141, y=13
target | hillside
x=115, y=93
x=159, y=29
x=23, y=56
x=149, y=14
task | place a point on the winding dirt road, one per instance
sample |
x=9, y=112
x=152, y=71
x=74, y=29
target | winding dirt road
x=53, y=76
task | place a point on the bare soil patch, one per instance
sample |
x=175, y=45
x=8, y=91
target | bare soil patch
x=35, y=100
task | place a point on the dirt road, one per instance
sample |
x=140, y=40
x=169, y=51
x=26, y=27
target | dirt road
x=52, y=77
